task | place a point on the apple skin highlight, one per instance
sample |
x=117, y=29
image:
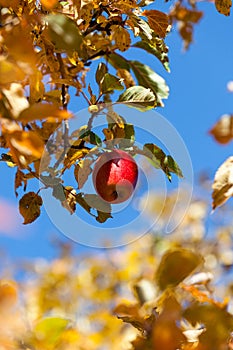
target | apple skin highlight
x=115, y=176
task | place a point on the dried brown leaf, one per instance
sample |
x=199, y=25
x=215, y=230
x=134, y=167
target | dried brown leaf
x=29, y=207
x=158, y=21
x=223, y=6
x=20, y=179
x=222, y=131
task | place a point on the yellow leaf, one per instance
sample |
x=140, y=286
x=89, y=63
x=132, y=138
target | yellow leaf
x=75, y=154
x=10, y=72
x=20, y=46
x=223, y=183
x=122, y=38
x=223, y=129
x=36, y=87
x=39, y=111
x=25, y=146
x=127, y=78
x=16, y=101
x=29, y=207
x=49, y=4
x=108, y=134
x=223, y=6
x=158, y=21
x=175, y=266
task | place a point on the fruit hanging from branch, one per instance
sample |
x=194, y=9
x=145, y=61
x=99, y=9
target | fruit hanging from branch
x=115, y=176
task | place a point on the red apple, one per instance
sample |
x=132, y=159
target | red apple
x=115, y=176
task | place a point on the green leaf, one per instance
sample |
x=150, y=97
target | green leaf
x=91, y=137
x=138, y=97
x=172, y=166
x=160, y=160
x=145, y=32
x=149, y=79
x=159, y=50
x=100, y=72
x=129, y=138
x=155, y=154
x=175, y=266
x=50, y=329
x=118, y=61
x=110, y=83
x=65, y=34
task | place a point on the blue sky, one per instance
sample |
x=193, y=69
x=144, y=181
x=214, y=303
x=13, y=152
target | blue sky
x=198, y=97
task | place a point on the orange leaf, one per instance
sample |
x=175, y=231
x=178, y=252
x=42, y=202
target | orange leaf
x=223, y=6
x=49, y=4
x=39, y=111
x=25, y=146
x=158, y=21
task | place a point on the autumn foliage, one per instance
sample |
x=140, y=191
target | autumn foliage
x=156, y=293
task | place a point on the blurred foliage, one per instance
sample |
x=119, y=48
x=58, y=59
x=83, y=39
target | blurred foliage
x=172, y=292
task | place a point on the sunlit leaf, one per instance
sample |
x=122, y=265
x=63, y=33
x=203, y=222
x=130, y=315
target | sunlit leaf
x=10, y=73
x=40, y=111
x=160, y=160
x=223, y=183
x=36, y=87
x=149, y=79
x=175, y=266
x=138, y=97
x=100, y=72
x=158, y=21
x=25, y=146
x=25, y=53
x=172, y=166
x=126, y=77
x=144, y=29
x=122, y=38
x=29, y=207
x=159, y=50
x=15, y=101
x=91, y=137
x=110, y=83
x=74, y=154
x=49, y=4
